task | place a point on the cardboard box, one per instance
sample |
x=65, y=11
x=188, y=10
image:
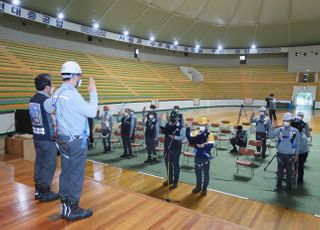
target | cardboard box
x=21, y=145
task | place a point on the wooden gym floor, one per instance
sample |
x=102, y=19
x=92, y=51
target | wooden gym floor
x=124, y=199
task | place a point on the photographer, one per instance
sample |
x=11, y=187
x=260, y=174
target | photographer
x=303, y=129
x=239, y=139
x=271, y=105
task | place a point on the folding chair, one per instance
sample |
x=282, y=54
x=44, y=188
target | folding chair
x=187, y=154
x=139, y=143
x=215, y=127
x=117, y=139
x=140, y=128
x=245, y=163
x=257, y=143
x=97, y=135
x=160, y=147
x=224, y=136
x=225, y=124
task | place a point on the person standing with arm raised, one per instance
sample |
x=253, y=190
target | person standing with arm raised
x=70, y=113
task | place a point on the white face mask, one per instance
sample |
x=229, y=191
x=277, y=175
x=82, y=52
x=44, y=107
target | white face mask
x=286, y=123
x=151, y=117
x=262, y=113
x=202, y=128
x=126, y=113
x=79, y=83
x=106, y=112
x=301, y=118
x=51, y=90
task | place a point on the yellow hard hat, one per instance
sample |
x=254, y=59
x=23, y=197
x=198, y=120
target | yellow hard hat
x=203, y=121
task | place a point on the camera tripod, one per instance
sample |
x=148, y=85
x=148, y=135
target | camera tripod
x=265, y=169
x=241, y=112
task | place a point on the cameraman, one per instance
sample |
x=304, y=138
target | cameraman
x=303, y=129
x=272, y=107
x=239, y=139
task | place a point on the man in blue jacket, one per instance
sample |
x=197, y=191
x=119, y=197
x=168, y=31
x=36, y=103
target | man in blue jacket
x=287, y=150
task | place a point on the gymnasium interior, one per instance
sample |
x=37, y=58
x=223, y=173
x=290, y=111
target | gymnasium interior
x=219, y=59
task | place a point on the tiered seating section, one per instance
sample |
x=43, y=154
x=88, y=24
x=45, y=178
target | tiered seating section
x=128, y=80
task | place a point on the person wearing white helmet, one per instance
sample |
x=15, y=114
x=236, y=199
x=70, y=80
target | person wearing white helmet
x=303, y=128
x=70, y=113
x=263, y=126
x=287, y=150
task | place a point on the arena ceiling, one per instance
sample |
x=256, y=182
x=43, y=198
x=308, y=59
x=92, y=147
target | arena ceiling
x=208, y=23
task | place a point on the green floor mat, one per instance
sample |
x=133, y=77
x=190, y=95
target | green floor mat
x=258, y=187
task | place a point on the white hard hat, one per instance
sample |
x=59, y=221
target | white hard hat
x=70, y=67
x=287, y=117
x=301, y=114
x=262, y=109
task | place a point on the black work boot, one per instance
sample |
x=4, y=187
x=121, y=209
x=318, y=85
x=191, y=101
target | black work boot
x=196, y=190
x=65, y=209
x=154, y=160
x=44, y=193
x=37, y=190
x=77, y=213
x=148, y=160
x=165, y=184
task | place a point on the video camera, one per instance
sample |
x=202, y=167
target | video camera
x=298, y=124
x=267, y=99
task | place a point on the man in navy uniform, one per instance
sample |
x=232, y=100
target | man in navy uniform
x=43, y=139
x=174, y=135
x=70, y=113
x=151, y=137
x=239, y=139
x=203, y=141
x=272, y=108
x=106, y=128
x=176, y=108
x=303, y=129
x=287, y=150
x=127, y=128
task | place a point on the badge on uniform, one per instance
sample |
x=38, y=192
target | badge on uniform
x=35, y=114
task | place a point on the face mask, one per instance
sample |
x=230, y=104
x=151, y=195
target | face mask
x=151, y=117
x=51, y=90
x=79, y=83
x=176, y=110
x=286, y=123
x=106, y=112
x=301, y=118
x=126, y=114
x=202, y=128
x=262, y=113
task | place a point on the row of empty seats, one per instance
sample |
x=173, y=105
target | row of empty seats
x=128, y=80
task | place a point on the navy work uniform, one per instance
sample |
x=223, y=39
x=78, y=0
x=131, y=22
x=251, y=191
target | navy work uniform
x=304, y=147
x=44, y=142
x=106, y=129
x=263, y=126
x=174, y=135
x=287, y=149
x=272, y=108
x=203, y=141
x=151, y=137
x=239, y=139
x=71, y=112
x=127, y=128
